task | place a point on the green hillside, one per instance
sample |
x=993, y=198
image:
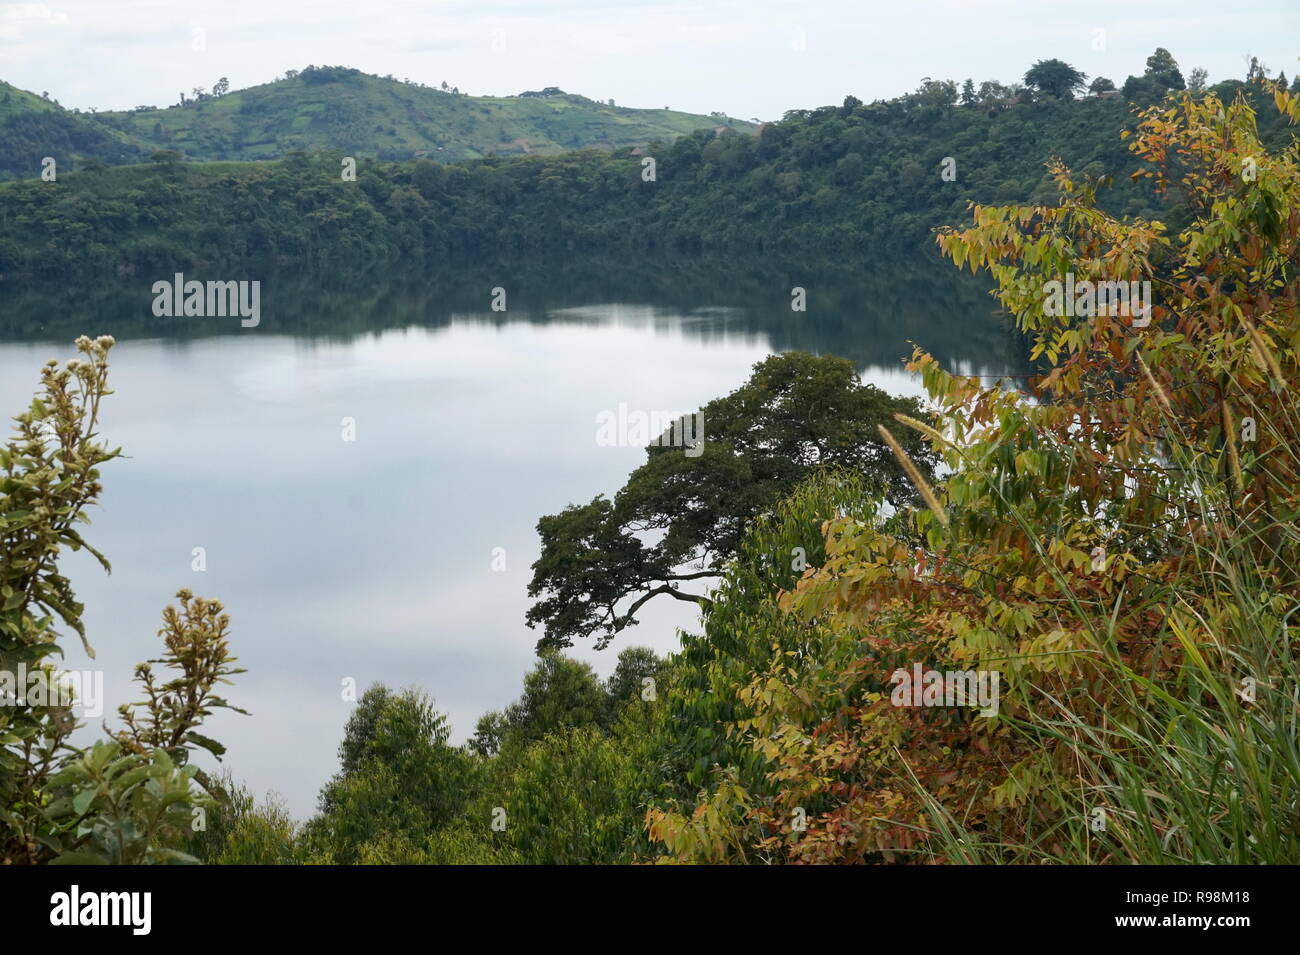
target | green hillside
x=15, y=103
x=343, y=109
x=32, y=127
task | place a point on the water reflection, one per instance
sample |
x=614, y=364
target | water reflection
x=866, y=310
x=372, y=559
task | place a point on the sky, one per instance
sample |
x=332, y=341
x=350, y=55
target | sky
x=746, y=58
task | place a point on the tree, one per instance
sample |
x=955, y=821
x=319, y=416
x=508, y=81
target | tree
x=635, y=666
x=559, y=692
x=1055, y=78
x=1197, y=80
x=397, y=729
x=490, y=733
x=798, y=413
x=221, y=87
x=398, y=774
x=850, y=169
x=941, y=93
x=242, y=830
x=1161, y=76
x=1163, y=69
x=197, y=647
x=992, y=93
x=1100, y=85
x=570, y=799
x=1141, y=90
x=968, y=97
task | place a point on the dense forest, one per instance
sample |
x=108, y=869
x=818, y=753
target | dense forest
x=850, y=179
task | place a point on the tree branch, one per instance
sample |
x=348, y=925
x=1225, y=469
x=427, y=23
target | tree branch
x=700, y=599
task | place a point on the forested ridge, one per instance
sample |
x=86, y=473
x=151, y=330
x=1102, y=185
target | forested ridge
x=852, y=178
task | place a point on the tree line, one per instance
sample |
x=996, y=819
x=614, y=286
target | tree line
x=854, y=178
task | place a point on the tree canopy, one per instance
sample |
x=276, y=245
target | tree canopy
x=1055, y=78
x=798, y=413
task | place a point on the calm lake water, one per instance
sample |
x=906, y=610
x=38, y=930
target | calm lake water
x=372, y=559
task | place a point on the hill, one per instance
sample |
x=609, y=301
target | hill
x=331, y=108
x=337, y=108
x=32, y=127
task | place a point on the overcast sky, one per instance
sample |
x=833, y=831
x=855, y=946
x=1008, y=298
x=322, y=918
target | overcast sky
x=744, y=57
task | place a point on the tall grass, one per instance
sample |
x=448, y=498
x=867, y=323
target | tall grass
x=1200, y=769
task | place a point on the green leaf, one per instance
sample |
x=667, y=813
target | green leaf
x=82, y=800
x=211, y=745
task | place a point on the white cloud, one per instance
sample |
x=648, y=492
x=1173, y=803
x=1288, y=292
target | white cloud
x=16, y=18
x=695, y=55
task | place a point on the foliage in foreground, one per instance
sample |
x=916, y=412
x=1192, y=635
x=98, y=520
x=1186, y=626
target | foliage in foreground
x=1122, y=548
x=131, y=798
x=1119, y=547
x=556, y=779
